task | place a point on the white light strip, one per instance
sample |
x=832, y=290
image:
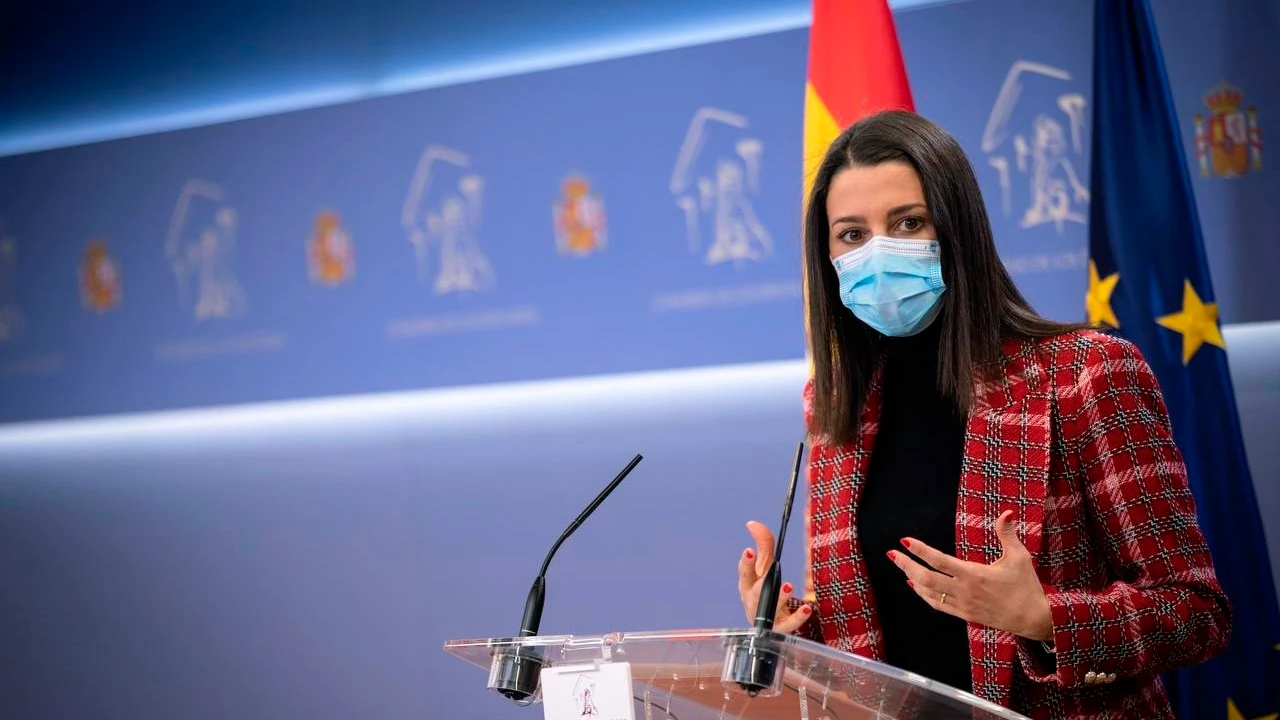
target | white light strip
x=141, y=122
x=482, y=405
x=577, y=400
x=1251, y=333
x=591, y=50
x=595, y=49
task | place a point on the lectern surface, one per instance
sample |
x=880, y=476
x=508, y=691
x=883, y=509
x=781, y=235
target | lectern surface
x=683, y=675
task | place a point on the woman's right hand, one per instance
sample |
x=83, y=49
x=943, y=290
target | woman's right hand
x=753, y=565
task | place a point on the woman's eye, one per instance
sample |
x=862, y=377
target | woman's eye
x=851, y=235
x=912, y=224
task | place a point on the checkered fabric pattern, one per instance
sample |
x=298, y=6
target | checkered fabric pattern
x=1075, y=439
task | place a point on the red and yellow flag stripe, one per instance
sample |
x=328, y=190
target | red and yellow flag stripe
x=855, y=69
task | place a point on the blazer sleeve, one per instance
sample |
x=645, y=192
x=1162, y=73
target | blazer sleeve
x=1165, y=608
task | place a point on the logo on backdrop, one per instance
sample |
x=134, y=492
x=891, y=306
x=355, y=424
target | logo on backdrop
x=200, y=247
x=99, y=277
x=331, y=256
x=1034, y=139
x=717, y=174
x=441, y=215
x=11, y=318
x=582, y=692
x=1228, y=141
x=579, y=218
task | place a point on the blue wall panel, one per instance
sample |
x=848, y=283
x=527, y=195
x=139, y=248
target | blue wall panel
x=445, y=200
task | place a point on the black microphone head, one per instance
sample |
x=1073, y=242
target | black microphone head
x=754, y=664
x=516, y=673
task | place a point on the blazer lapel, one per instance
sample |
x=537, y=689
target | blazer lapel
x=839, y=475
x=1005, y=467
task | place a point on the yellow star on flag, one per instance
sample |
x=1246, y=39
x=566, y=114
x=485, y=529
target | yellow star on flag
x=1198, y=323
x=1233, y=713
x=1098, y=298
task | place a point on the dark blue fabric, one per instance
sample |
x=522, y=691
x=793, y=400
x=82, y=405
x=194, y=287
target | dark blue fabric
x=1144, y=226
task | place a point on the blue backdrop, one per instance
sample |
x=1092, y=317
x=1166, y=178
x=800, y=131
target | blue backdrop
x=428, y=239
x=308, y=560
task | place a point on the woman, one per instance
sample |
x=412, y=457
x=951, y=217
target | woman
x=996, y=501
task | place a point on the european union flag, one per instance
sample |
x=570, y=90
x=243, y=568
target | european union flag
x=1149, y=279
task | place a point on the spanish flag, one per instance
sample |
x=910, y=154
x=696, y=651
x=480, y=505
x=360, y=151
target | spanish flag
x=855, y=70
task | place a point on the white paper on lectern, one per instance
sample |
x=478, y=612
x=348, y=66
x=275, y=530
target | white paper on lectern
x=591, y=691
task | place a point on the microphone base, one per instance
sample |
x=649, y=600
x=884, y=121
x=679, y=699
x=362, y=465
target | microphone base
x=755, y=665
x=517, y=674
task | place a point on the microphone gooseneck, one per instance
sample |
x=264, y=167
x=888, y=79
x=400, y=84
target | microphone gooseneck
x=754, y=662
x=515, y=673
x=537, y=593
x=772, y=586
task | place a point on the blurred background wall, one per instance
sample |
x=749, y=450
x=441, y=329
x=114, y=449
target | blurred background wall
x=319, y=321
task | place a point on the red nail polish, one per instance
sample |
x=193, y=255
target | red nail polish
x=786, y=588
x=750, y=555
x=805, y=609
x=906, y=543
x=910, y=584
x=891, y=556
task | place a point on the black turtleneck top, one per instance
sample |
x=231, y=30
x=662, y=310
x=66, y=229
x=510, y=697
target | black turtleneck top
x=911, y=489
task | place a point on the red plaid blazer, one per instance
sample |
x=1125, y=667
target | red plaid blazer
x=1076, y=440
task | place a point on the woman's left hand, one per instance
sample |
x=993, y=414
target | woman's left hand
x=1005, y=595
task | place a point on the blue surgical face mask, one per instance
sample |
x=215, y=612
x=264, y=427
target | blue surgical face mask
x=894, y=286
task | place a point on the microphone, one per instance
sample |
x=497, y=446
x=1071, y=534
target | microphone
x=753, y=661
x=516, y=673
x=772, y=586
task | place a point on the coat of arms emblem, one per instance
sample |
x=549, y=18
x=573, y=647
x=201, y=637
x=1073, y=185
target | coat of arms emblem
x=1228, y=141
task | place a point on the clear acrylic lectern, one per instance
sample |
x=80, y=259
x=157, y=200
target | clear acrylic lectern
x=697, y=674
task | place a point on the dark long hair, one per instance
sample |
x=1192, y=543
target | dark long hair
x=980, y=308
